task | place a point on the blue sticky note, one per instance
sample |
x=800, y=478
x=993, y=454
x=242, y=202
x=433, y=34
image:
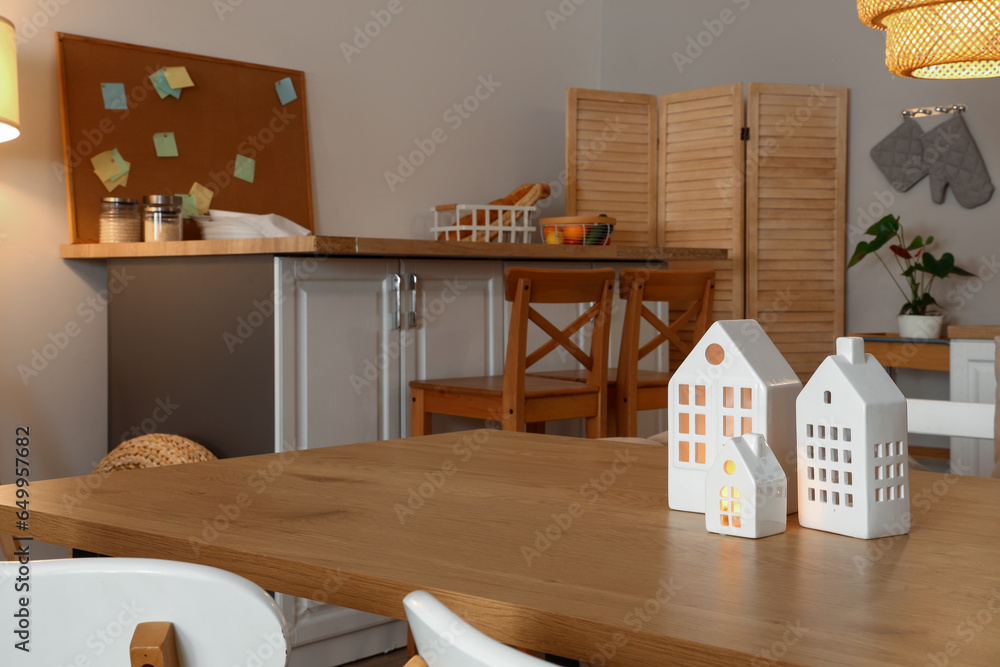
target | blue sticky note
x=159, y=79
x=245, y=168
x=166, y=144
x=286, y=91
x=114, y=95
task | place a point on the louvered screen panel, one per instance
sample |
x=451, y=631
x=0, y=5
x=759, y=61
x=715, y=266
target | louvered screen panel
x=701, y=158
x=611, y=161
x=796, y=185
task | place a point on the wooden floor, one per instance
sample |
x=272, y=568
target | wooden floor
x=393, y=659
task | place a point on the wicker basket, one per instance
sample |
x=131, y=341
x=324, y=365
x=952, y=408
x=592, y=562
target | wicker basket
x=151, y=451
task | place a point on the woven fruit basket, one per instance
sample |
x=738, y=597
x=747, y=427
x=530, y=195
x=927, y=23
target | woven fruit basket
x=578, y=230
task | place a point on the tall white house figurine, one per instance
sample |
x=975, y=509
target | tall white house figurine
x=746, y=491
x=733, y=382
x=853, y=471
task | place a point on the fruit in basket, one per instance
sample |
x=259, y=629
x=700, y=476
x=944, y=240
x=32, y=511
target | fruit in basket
x=551, y=237
x=573, y=234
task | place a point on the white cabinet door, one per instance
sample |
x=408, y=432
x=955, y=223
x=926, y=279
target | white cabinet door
x=453, y=327
x=337, y=363
x=973, y=380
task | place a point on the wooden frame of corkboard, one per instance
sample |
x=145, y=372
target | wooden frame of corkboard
x=232, y=108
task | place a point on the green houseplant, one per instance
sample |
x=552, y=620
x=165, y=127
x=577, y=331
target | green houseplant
x=918, y=267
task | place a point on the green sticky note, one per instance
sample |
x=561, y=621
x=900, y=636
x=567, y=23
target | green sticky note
x=245, y=168
x=189, y=206
x=286, y=90
x=166, y=145
x=123, y=166
x=163, y=88
x=114, y=95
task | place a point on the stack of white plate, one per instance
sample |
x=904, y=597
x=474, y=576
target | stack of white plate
x=225, y=228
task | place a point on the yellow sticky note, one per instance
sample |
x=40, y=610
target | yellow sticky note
x=120, y=181
x=202, y=198
x=105, y=166
x=178, y=77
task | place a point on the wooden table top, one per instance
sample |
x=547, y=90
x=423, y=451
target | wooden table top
x=557, y=544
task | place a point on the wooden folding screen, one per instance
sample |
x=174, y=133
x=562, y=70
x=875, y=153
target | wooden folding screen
x=700, y=184
x=795, y=222
x=765, y=179
x=611, y=161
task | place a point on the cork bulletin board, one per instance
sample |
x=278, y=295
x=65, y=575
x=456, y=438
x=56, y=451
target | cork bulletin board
x=232, y=109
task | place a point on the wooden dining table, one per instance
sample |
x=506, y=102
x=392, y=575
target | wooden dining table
x=556, y=544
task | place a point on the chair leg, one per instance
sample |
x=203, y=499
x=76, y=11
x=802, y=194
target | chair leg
x=8, y=546
x=411, y=645
x=420, y=419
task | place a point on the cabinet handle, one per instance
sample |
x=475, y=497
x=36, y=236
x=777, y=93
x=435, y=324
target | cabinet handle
x=411, y=284
x=396, y=313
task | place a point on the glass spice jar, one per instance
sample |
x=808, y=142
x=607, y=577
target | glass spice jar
x=161, y=216
x=119, y=220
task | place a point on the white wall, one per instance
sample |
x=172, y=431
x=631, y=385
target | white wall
x=363, y=115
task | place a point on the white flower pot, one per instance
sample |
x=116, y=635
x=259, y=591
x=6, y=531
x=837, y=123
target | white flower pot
x=920, y=326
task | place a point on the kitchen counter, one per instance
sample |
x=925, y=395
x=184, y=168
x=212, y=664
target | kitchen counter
x=372, y=247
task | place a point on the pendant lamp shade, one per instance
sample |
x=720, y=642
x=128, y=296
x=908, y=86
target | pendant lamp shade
x=9, y=117
x=937, y=39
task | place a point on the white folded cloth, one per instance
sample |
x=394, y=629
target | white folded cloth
x=267, y=226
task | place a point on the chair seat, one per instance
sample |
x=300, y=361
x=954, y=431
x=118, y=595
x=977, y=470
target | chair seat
x=643, y=378
x=492, y=386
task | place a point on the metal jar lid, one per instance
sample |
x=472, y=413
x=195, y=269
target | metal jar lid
x=120, y=201
x=162, y=200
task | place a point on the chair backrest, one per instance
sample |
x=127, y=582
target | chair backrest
x=526, y=286
x=85, y=611
x=954, y=418
x=641, y=286
x=445, y=640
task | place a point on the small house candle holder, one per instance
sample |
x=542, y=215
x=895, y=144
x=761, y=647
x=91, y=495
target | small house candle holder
x=746, y=490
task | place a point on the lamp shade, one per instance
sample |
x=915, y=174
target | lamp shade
x=9, y=117
x=937, y=39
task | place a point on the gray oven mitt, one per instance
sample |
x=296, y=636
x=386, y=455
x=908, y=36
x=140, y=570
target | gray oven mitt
x=953, y=158
x=900, y=156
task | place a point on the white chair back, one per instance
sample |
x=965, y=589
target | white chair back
x=445, y=640
x=960, y=420
x=84, y=612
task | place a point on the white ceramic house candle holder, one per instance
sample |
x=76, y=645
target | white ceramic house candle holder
x=746, y=491
x=853, y=470
x=733, y=382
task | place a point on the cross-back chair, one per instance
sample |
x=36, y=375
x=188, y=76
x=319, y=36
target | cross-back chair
x=631, y=389
x=516, y=399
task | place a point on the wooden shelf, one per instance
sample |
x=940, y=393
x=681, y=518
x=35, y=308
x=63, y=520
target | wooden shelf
x=349, y=245
x=930, y=354
x=973, y=332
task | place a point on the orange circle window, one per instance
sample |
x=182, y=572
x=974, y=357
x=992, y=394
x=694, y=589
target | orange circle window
x=715, y=354
x=729, y=467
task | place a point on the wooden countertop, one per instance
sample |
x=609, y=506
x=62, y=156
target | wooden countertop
x=360, y=246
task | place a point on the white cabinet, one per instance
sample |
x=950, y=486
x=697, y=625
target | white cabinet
x=973, y=380
x=350, y=335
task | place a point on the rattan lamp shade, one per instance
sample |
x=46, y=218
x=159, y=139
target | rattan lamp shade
x=935, y=39
x=9, y=117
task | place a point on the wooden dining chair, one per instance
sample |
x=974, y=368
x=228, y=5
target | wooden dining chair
x=445, y=640
x=630, y=389
x=113, y=612
x=516, y=399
